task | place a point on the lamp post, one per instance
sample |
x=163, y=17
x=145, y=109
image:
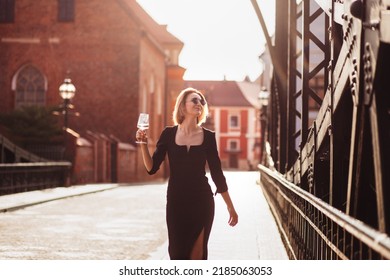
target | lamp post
x=67, y=91
x=263, y=101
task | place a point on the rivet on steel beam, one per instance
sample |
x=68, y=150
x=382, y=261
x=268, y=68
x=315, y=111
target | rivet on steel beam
x=353, y=89
x=329, y=129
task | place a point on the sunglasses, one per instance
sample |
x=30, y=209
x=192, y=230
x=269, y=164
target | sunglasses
x=196, y=101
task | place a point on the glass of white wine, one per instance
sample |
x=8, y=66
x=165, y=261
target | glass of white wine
x=143, y=124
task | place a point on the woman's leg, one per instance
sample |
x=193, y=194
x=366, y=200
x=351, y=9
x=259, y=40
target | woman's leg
x=197, y=251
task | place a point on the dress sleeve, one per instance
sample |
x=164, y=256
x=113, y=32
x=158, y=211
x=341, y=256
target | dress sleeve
x=160, y=152
x=215, y=165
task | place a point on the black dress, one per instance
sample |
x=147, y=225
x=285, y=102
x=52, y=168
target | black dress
x=190, y=201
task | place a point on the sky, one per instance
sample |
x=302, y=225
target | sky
x=222, y=38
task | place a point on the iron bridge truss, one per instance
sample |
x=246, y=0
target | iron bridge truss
x=328, y=182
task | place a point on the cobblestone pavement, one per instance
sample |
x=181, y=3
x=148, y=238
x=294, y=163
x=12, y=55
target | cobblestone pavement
x=122, y=223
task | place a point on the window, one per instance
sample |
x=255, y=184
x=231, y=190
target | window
x=234, y=121
x=30, y=87
x=65, y=10
x=233, y=145
x=7, y=11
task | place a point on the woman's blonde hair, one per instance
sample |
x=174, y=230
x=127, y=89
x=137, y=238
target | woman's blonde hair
x=178, y=114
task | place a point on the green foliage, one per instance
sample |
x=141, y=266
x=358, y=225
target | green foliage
x=32, y=125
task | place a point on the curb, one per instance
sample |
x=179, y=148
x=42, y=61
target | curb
x=37, y=202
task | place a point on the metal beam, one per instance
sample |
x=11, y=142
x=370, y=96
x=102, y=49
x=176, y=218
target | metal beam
x=271, y=49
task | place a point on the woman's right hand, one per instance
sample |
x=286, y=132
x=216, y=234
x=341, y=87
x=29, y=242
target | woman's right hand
x=141, y=136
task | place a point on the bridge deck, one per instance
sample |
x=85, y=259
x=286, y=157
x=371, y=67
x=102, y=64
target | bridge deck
x=255, y=237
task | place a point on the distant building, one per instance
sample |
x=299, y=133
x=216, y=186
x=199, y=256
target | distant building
x=120, y=60
x=235, y=119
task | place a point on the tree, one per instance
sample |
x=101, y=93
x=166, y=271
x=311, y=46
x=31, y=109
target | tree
x=32, y=125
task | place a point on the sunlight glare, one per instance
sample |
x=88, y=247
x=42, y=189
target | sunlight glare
x=222, y=38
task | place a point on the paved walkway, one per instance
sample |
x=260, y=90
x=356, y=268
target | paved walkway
x=255, y=237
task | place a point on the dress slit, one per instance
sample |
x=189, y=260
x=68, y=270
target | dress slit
x=201, y=235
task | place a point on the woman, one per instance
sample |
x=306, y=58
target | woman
x=190, y=201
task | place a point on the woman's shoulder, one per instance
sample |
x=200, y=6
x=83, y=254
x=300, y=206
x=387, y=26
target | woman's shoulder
x=169, y=130
x=167, y=133
x=208, y=132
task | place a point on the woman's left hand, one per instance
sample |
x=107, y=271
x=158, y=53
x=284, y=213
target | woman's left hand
x=233, y=219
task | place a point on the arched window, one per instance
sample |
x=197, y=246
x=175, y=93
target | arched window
x=30, y=86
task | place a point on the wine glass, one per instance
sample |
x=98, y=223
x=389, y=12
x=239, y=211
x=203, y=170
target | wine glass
x=143, y=124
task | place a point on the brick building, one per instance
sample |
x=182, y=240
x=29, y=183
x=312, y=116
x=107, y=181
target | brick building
x=119, y=59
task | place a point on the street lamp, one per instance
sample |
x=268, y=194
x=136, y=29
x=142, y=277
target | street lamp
x=263, y=102
x=67, y=92
x=263, y=97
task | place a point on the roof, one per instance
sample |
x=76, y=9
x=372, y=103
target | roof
x=158, y=31
x=251, y=92
x=221, y=93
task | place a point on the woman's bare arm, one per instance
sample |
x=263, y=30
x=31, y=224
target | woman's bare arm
x=233, y=219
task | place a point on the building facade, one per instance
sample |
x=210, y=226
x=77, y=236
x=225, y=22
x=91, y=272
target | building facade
x=120, y=60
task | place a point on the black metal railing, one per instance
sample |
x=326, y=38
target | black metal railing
x=10, y=152
x=312, y=229
x=22, y=177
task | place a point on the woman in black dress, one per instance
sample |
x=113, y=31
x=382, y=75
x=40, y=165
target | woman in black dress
x=190, y=201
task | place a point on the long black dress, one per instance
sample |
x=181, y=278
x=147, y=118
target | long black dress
x=190, y=201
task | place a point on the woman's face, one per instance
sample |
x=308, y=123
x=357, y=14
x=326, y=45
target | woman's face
x=193, y=106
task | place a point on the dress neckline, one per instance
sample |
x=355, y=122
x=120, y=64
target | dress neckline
x=189, y=146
